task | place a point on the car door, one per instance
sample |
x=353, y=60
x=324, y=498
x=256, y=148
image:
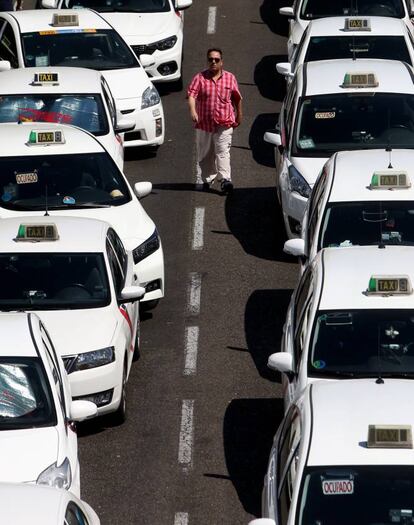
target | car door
x=282, y=153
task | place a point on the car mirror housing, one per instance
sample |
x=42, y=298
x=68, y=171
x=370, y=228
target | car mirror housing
x=273, y=138
x=81, y=410
x=295, y=247
x=142, y=189
x=147, y=60
x=284, y=68
x=287, y=11
x=281, y=362
x=130, y=294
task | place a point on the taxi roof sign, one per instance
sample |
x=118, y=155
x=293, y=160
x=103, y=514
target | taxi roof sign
x=60, y=20
x=390, y=179
x=45, y=79
x=390, y=436
x=363, y=79
x=357, y=24
x=37, y=232
x=389, y=285
x=45, y=137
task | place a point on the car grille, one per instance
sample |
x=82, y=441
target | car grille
x=144, y=49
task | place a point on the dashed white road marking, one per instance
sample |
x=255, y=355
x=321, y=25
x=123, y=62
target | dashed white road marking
x=185, y=445
x=191, y=349
x=181, y=518
x=194, y=294
x=198, y=228
x=211, y=21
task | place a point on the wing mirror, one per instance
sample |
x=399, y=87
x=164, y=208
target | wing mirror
x=285, y=69
x=5, y=65
x=273, y=138
x=147, y=60
x=142, y=189
x=81, y=410
x=263, y=521
x=287, y=11
x=183, y=4
x=129, y=294
x=295, y=247
x=124, y=124
x=281, y=362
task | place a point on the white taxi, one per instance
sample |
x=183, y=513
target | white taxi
x=82, y=38
x=351, y=37
x=38, y=441
x=352, y=315
x=360, y=198
x=22, y=503
x=67, y=95
x=70, y=172
x=330, y=106
x=150, y=28
x=343, y=454
x=76, y=275
x=303, y=11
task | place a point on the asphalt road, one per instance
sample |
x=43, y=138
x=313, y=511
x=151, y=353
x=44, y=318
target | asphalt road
x=195, y=446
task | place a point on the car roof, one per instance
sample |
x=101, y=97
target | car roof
x=334, y=26
x=70, y=80
x=14, y=140
x=17, y=339
x=347, y=271
x=327, y=76
x=340, y=431
x=353, y=171
x=33, y=20
x=76, y=235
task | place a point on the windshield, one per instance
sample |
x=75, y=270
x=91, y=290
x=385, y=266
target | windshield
x=101, y=49
x=136, y=6
x=364, y=223
x=25, y=397
x=333, y=47
x=364, y=495
x=84, y=111
x=53, y=281
x=61, y=182
x=330, y=123
x=364, y=343
x=321, y=8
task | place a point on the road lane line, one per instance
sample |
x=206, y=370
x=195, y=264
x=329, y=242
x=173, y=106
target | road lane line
x=211, y=21
x=194, y=294
x=191, y=349
x=198, y=228
x=181, y=518
x=185, y=445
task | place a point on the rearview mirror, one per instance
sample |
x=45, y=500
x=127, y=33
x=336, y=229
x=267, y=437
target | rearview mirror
x=142, y=189
x=81, y=410
x=124, y=124
x=147, y=60
x=273, y=138
x=5, y=65
x=284, y=68
x=130, y=294
x=295, y=247
x=287, y=11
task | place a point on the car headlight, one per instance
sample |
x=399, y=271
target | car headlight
x=298, y=183
x=150, y=97
x=58, y=477
x=148, y=247
x=93, y=359
x=166, y=43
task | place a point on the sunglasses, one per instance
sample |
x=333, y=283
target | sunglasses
x=214, y=59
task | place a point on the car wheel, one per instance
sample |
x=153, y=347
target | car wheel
x=120, y=415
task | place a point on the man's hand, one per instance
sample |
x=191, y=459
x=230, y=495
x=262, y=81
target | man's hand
x=194, y=116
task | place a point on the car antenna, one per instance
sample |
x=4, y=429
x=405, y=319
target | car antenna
x=379, y=380
x=46, y=211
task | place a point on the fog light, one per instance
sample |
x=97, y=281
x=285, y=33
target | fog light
x=100, y=398
x=153, y=285
x=168, y=68
x=158, y=127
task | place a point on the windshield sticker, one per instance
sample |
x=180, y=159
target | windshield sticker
x=42, y=60
x=319, y=364
x=325, y=114
x=306, y=143
x=391, y=237
x=26, y=178
x=6, y=197
x=337, y=487
x=345, y=244
x=116, y=193
x=66, y=31
x=68, y=200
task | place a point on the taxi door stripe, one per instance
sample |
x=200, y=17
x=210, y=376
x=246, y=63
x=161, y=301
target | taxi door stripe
x=128, y=320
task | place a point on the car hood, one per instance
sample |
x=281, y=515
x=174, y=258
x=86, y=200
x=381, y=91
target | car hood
x=78, y=331
x=144, y=27
x=127, y=83
x=24, y=454
x=309, y=167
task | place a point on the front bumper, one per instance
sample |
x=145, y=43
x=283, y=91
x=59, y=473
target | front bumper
x=149, y=123
x=167, y=67
x=293, y=209
x=150, y=272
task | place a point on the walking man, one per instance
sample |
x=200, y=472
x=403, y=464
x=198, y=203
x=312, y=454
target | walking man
x=215, y=106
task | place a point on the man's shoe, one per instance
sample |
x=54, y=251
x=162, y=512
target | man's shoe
x=226, y=186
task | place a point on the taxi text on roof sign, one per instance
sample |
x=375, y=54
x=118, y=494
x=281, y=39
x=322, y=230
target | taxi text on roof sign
x=357, y=24
x=390, y=436
x=360, y=80
x=37, y=233
x=389, y=285
x=390, y=179
x=59, y=20
x=46, y=78
x=45, y=137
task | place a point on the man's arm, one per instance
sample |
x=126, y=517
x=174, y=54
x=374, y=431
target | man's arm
x=239, y=112
x=192, y=106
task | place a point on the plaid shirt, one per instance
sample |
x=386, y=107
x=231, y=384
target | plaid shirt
x=214, y=99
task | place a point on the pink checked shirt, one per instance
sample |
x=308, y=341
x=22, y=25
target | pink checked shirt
x=214, y=99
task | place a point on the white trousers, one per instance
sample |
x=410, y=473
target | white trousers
x=213, y=153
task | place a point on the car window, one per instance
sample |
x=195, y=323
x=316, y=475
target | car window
x=116, y=270
x=301, y=295
x=301, y=334
x=136, y=6
x=109, y=101
x=312, y=9
x=298, y=50
x=74, y=515
x=289, y=109
x=316, y=204
x=119, y=250
x=8, y=48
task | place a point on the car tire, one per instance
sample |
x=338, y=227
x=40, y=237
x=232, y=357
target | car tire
x=120, y=415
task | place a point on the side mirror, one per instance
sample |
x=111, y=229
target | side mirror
x=263, y=521
x=284, y=68
x=295, y=247
x=81, y=410
x=183, y=4
x=5, y=65
x=50, y=4
x=273, y=138
x=130, y=294
x=142, y=189
x=287, y=11
x=281, y=362
x=147, y=60
x=124, y=124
